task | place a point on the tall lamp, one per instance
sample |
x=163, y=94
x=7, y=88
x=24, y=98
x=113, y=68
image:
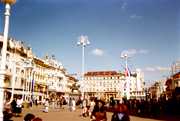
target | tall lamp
x=83, y=42
x=8, y=4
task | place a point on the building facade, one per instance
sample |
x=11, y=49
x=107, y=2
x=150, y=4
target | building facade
x=172, y=84
x=175, y=68
x=113, y=84
x=157, y=90
x=30, y=76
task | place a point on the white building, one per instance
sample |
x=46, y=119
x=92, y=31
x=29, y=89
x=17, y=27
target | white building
x=137, y=84
x=113, y=84
x=30, y=76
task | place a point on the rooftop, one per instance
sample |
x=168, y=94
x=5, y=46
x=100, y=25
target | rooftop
x=103, y=73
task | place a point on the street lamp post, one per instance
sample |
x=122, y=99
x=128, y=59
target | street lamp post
x=83, y=42
x=125, y=56
x=3, y=51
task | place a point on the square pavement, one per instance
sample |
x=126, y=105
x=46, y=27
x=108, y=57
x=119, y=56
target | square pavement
x=64, y=115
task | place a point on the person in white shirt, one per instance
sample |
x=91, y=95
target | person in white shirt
x=73, y=104
x=46, y=106
x=92, y=104
x=19, y=103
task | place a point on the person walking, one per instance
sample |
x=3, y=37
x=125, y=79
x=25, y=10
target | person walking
x=84, y=108
x=73, y=104
x=70, y=104
x=92, y=104
x=19, y=106
x=46, y=106
x=99, y=112
x=13, y=106
x=120, y=113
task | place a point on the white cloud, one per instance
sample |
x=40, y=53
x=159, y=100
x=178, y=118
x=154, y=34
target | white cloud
x=132, y=52
x=98, y=52
x=157, y=68
x=134, y=16
x=124, y=5
x=163, y=68
x=150, y=69
x=143, y=51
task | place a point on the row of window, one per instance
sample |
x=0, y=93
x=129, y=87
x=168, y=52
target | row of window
x=101, y=90
x=103, y=78
x=104, y=82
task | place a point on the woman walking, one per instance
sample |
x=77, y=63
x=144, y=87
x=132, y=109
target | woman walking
x=99, y=112
x=120, y=113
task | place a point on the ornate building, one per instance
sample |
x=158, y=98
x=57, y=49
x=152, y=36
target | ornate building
x=17, y=68
x=113, y=84
x=172, y=83
x=30, y=76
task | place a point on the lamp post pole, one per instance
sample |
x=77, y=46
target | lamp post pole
x=83, y=42
x=3, y=52
x=125, y=56
x=82, y=74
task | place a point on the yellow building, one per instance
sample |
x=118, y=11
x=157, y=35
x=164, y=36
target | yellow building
x=30, y=76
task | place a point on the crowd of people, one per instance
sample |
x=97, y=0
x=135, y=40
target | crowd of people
x=154, y=108
x=96, y=108
x=14, y=108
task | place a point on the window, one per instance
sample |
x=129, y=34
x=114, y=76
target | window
x=6, y=67
x=22, y=82
x=103, y=83
x=100, y=84
x=8, y=57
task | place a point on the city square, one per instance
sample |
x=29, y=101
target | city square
x=66, y=115
x=64, y=60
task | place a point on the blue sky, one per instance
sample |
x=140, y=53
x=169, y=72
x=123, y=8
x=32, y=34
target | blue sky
x=149, y=30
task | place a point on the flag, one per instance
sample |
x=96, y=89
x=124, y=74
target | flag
x=125, y=85
x=127, y=72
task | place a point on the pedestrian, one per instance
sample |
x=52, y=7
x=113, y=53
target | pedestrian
x=70, y=104
x=112, y=102
x=36, y=102
x=53, y=103
x=92, y=104
x=46, y=106
x=29, y=117
x=73, y=104
x=99, y=112
x=84, y=108
x=61, y=102
x=13, y=106
x=19, y=106
x=7, y=112
x=120, y=113
x=31, y=103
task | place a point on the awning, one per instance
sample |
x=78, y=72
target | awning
x=37, y=94
x=18, y=92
